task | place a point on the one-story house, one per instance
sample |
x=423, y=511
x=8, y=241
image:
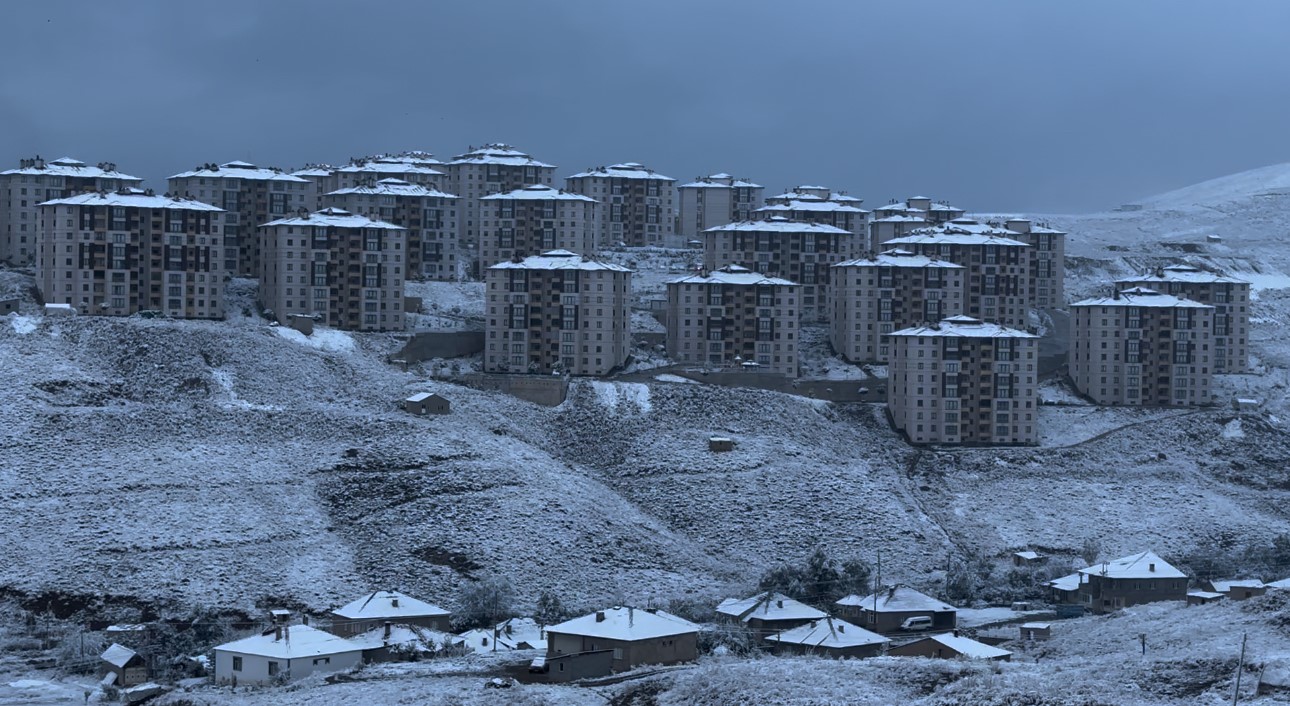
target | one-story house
x=1036, y=631
x=1240, y=589
x=508, y=635
x=284, y=652
x=396, y=642
x=427, y=403
x=1131, y=580
x=9, y=306
x=636, y=636
x=950, y=646
x=768, y=612
x=830, y=637
x=1203, y=597
x=124, y=664
x=1028, y=558
x=886, y=610
x=373, y=611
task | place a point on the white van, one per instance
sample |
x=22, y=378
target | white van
x=917, y=623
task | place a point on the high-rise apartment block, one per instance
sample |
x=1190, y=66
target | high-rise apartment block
x=873, y=296
x=1048, y=277
x=343, y=269
x=735, y=318
x=636, y=203
x=964, y=381
x=711, y=201
x=898, y=219
x=252, y=196
x=533, y=220
x=491, y=169
x=35, y=181
x=557, y=313
x=817, y=204
x=119, y=253
x=1142, y=347
x=372, y=169
x=799, y=251
x=1230, y=298
x=428, y=215
x=998, y=267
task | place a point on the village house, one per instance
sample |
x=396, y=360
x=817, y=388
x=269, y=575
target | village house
x=888, y=610
x=1140, y=578
x=767, y=612
x=375, y=610
x=508, y=635
x=427, y=403
x=392, y=642
x=1204, y=597
x=830, y=637
x=9, y=306
x=123, y=665
x=1065, y=589
x=636, y=636
x=950, y=646
x=282, y=653
x=1238, y=590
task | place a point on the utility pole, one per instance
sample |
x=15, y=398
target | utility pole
x=1142, y=636
x=877, y=586
x=1240, y=667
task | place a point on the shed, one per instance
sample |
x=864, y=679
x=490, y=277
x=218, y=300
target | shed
x=60, y=310
x=125, y=665
x=8, y=306
x=950, y=646
x=1031, y=632
x=720, y=443
x=1203, y=597
x=1213, y=238
x=302, y=323
x=1240, y=589
x=1028, y=558
x=427, y=403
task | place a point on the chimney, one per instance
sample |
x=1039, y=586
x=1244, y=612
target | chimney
x=841, y=627
x=394, y=602
x=1151, y=567
x=600, y=616
x=277, y=633
x=304, y=619
x=779, y=604
x=891, y=593
x=387, y=630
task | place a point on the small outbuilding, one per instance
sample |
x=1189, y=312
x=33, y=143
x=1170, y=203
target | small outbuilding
x=1240, y=589
x=60, y=310
x=1065, y=590
x=950, y=646
x=9, y=306
x=427, y=403
x=830, y=637
x=1203, y=597
x=1031, y=632
x=302, y=323
x=1028, y=558
x=720, y=444
x=123, y=667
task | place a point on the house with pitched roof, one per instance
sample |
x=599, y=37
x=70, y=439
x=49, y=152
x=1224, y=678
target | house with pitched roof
x=636, y=636
x=380, y=607
x=950, y=646
x=123, y=665
x=284, y=652
x=1240, y=589
x=1139, y=578
x=1065, y=589
x=830, y=637
x=767, y=612
x=888, y=609
x=508, y=635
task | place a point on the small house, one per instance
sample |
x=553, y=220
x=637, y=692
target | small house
x=830, y=637
x=1203, y=597
x=304, y=323
x=887, y=610
x=1132, y=580
x=1031, y=632
x=636, y=636
x=284, y=652
x=373, y=611
x=1065, y=590
x=506, y=636
x=1028, y=558
x=9, y=306
x=767, y=612
x=403, y=642
x=1238, y=590
x=427, y=403
x=950, y=646
x=60, y=310
x=123, y=667
x=719, y=444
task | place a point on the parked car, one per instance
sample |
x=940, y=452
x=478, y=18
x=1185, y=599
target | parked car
x=917, y=623
x=538, y=665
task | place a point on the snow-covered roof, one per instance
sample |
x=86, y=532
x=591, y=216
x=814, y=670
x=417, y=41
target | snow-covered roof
x=419, y=639
x=719, y=181
x=1136, y=566
x=626, y=170
x=769, y=606
x=964, y=327
x=1036, y=626
x=897, y=208
x=498, y=153
x=393, y=187
x=733, y=274
x=897, y=599
x=810, y=205
x=779, y=225
x=1070, y=582
x=898, y=258
x=297, y=641
x=240, y=170
x=133, y=198
x=901, y=218
x=521, y=631
x=558, y=260
x=66, y=166
x=1210, y=595
x=118, y=655
x=538, y=192
x=627, y=624
x=1184, y=273
x=421, y=397
x=1027, y=555
x=1143, y=297
x=968, y=647
x=380, y=166
x=936, y=236
x=1226, y=586
x=829, y=632
x=804, y=193
x=334, y=217
x=314, y=171
x=389, y=605
x=1282, y=584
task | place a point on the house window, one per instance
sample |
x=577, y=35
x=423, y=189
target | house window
x=618, y=653
x=237, y=664
x=273, y=669
x=322, y=660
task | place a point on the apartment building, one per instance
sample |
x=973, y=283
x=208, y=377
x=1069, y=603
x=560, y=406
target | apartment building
x=715, y=200
x=817, y=204
x=121, y=252
x=964, y=381
x=636, y=203
x=734, y=318
x=896, y=289
x=799, y=251
x=1048, y=277
x=1229, y=296
x=35, y=181
x=1141, y=347
x=557, y=313
x=491, y=169
x=932, y=211
x=252, y=196
x=533, y=220
x=319, y=178
x=428, y=215
x=343, y=269
x=367, y=170
x=997, y=281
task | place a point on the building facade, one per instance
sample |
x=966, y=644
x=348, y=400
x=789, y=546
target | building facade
x=1230, y=298
x=873, y=296
x=734, y=316
x=711, y=201
x=344, y=270
x=964, y=381
x=121, y=253
x=1141, y=347
x=1132, y=580
x=1048, y=276
x=252, y=196
x=491, y=169
x=368, y=170
x=533, y=220
x=800, y=251
x=821, y=205
x=637, y=203
x=35, y=181
x=428, y=215
x=557, y=312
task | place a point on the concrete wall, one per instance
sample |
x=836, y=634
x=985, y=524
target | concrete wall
x=580, y=665
x=547, y=390
x=427, y=345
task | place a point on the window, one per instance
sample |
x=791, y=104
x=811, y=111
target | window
x=273, y=669
x=322, y=660
x=237, y=664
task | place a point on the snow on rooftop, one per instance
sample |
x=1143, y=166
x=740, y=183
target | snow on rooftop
x=1147, y=565
x=968, y=647
x=1143, y=297
x=898, y=599
x=626, y=170
x=733, y=274
x=66, y=166
x=379, y=166
x=1036, y=626
x=314, y=171
x=133, y=198
x=1070, y=582
x=558, y=260
x=118, y=655
x=538, y=192
x=297, y=641
x=1028, y=555
x=898, y=258
x=335, y=218
x=498, y=153
x=800, y=204
x=627, y=624
x=239, y=170
x=964, y=327
x=779, y=225
x=394, y=187
x=1282, y=584
x=507, y=635
x=829, y=632
x=387, y=605
x=418, y=639
x=927, y=236
x=1226, y=586
x=769, y=606
x=1183, y=273
x=901, y=218
x=420, y=397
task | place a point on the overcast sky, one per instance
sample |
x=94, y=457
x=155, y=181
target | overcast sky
x=1022, y=105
